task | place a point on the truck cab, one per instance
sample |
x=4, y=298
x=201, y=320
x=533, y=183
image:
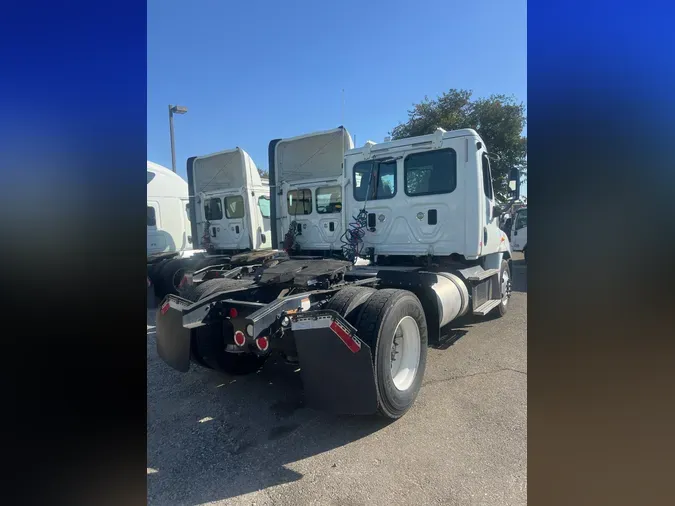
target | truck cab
x=306, y=174
x=230, y=202
x=424, y=197
x=168, y=225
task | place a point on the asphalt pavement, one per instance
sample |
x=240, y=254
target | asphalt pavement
x=249, y=440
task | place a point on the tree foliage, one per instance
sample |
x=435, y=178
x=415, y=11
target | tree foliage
x=498, y=119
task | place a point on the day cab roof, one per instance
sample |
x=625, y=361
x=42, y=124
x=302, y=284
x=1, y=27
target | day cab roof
x=372, y=150
x=165, y=183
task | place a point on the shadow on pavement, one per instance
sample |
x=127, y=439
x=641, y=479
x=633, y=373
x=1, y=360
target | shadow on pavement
x=213, y=436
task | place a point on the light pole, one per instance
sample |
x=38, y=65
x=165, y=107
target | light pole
x=174, y=109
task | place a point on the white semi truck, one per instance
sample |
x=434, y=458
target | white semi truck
x=428, y=224
x=170, y=244
x=307, y=174
x=223, y=210
x=232, y=202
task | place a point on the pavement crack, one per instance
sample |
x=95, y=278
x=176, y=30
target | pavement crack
x=482, y=373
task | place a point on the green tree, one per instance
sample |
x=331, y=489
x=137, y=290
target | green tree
x=499, y=120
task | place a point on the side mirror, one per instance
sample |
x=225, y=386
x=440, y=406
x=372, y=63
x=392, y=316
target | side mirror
x=514, y=183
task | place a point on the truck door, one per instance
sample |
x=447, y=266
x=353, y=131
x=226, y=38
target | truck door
x=492, y=234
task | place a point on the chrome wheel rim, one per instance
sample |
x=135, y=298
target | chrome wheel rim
x=405, y=353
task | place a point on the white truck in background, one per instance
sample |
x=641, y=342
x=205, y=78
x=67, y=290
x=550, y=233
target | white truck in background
x=519, y=232
x=307, y=176
x=231, y=203
x=172, y=217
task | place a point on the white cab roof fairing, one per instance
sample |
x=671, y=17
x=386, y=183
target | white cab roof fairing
x=165, y=183
x=371, y=149
x=311, y=156
x=225, y=170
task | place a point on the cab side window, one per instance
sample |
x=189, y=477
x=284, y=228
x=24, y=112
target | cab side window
x=487, y=177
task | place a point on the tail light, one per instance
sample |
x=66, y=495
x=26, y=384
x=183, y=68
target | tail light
x=239, y=338
x=262, y=343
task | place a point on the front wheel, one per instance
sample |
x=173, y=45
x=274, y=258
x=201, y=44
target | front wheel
x=393, y=324
x=505, y=287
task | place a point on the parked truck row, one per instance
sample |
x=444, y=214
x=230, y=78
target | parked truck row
x=421, y=211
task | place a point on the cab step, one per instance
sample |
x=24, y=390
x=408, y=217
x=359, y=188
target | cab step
x=486, y=307
x=482, y=274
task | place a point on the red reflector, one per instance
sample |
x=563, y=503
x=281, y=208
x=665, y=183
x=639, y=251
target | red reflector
x=165, y=307
x=239, y=338
x=233, y=312
x=262, y=343
x=344, y=336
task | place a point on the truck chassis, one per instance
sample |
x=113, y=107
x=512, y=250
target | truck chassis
x=359, y=335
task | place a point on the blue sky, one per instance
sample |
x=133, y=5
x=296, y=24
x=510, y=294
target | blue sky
x=253, y=71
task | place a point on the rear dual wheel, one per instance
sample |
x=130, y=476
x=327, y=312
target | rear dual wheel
x=393, y=324
x=209, y=342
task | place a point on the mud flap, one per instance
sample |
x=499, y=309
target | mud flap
x=173, y=340
x=335, y=365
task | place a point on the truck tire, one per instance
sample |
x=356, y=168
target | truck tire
x=505, y=288
x=154, y=270
x=349, y=301
x=170, y=276
x=393, y=324
x=208, y=343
